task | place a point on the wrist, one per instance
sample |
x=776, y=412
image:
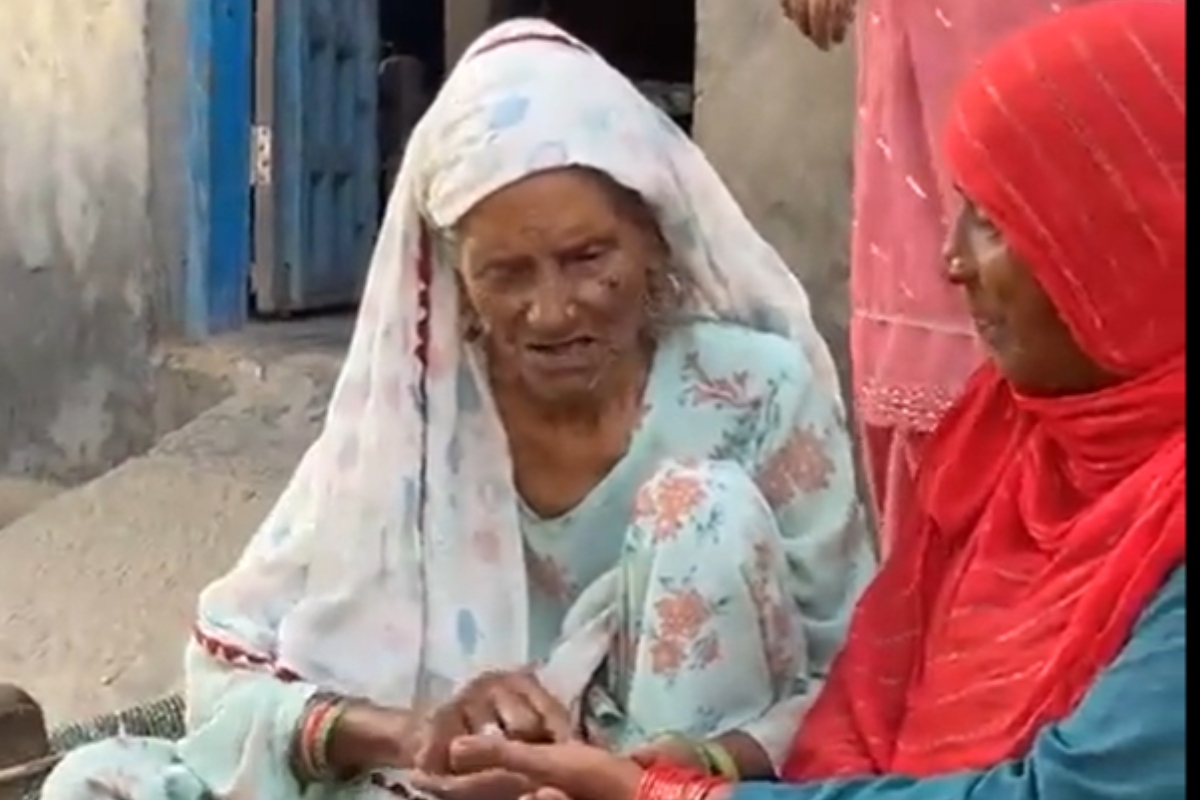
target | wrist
x=666, y=782
x=750, y=760
x=368, y=737
x=715, y=757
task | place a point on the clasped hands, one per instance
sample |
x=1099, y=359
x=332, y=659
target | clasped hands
x=503, y=737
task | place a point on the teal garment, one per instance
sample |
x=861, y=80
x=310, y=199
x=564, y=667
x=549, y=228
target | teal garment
x=730, y=532
x=721, y=392
x=1127, y=740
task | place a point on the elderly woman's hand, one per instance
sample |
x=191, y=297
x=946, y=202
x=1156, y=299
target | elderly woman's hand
x=512, y=703
x=571, y=770
x=825, y=22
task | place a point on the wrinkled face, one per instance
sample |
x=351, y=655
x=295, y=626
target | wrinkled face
x=1013, y=315
x=557, y=269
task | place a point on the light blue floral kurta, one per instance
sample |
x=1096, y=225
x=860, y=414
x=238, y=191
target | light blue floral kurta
x=731, y=530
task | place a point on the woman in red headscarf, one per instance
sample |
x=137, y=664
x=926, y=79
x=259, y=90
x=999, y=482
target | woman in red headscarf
x=1029, y=638
x=912, y=344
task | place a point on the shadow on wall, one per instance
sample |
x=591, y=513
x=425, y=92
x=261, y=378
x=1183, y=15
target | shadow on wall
x=776, y=117
x=80, y=389
x=70, y=456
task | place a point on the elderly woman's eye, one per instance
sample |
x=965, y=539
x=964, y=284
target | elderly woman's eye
x=502, y=271
x=592, y=253
x=588, y=255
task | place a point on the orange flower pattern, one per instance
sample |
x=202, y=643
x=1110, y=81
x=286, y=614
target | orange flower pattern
x=708, y=605
x=670, y=503
x=679, y=635
x=753, y=510
x=776, y=620
x=801, y=466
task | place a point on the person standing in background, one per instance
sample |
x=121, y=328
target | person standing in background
x=912, y=341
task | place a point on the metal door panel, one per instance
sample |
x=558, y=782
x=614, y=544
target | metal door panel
x=316, y=205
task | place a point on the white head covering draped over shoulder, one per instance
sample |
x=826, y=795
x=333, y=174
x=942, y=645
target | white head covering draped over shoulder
x=392, y=565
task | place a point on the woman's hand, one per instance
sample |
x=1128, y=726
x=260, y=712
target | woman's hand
x=572, y=770
x=492, y=784
x=825, y=22
x=748, y=758
x=513, y=703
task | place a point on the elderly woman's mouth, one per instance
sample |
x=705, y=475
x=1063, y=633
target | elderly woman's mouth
x=573, y=353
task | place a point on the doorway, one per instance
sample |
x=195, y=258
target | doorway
x=337, y=86
x=653, y=43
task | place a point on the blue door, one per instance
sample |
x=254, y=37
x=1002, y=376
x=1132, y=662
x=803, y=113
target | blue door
x=218, y=101
x=314, y=152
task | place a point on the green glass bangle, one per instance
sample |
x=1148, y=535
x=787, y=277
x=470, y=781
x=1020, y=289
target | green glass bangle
x=721, y=760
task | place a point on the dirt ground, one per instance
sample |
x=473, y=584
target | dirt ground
x=98, y=583
x=19, y=496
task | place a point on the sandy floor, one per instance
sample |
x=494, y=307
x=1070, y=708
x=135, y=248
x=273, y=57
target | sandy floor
x=98, y=584
x=19, y=496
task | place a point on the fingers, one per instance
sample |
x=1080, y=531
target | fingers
x=547, y=793
x=824, y=19
x=824, y=22
x=580, y=771
x=801, y=15
x=645, y=756
x=842, y=18
x=839, y=18
x=437, y=732
x=481, y=753
x=520, y=706
x=555, y=718
x=514, y=703
x=479, y=786
x=502, y=708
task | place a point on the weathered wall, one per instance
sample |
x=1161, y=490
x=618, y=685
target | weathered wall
x=79, y=287
x=775, y=115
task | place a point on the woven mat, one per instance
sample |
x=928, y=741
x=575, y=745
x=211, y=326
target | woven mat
x=162, y=719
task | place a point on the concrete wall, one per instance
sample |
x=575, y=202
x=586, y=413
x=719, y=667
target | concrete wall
x=82, y=279
x=776, y=115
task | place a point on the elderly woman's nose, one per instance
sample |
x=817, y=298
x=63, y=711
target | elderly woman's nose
x=551, y=304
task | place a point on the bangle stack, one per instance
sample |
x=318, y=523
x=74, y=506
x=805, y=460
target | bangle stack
x=312, y=745
x=667, y=782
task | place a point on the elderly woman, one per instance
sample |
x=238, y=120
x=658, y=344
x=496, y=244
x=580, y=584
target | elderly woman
x=585, y=473
x=1029, y=638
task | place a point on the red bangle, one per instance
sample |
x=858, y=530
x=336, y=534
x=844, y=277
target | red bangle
x=309, y=745
x=666, y=782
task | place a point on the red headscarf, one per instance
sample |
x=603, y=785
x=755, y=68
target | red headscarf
x=1044, y=526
